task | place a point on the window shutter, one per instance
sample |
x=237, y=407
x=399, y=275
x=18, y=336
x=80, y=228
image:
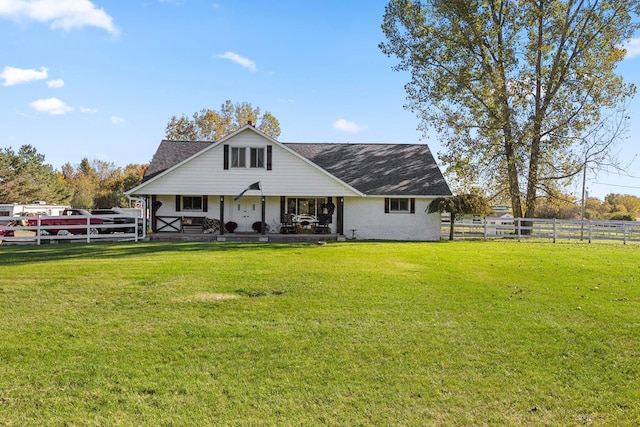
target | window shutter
x=413, y=204
x=178, y=203
x=205, y=203
x=269, y=150
x=226, y=155
x=386, y=205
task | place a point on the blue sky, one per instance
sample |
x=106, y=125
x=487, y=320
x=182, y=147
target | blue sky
x=100, y=79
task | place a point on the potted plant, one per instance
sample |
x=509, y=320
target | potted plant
x=230, y=226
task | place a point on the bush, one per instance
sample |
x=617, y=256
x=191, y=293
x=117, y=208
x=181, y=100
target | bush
x=230, y=226
x=621, y=217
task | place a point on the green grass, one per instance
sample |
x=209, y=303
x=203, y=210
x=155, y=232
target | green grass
x=406, y=334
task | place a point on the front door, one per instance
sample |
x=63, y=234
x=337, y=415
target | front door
x=247, y=211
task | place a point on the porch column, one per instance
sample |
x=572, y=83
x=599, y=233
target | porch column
x=221, y=215
x=340, y=215
x=264, y=224
x=153, y=214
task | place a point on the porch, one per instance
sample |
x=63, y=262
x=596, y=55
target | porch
x=245, y=237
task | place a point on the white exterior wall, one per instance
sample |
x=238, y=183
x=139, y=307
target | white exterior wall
x=244, y=211
x=367, y=217
x=205, y=173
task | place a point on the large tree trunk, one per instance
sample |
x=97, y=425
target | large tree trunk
x=536, y=139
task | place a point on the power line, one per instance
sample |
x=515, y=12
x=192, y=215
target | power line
x=615, y=185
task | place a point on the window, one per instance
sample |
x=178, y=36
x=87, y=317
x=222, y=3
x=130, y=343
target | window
x=304, y=206
x=399, y=205
x=257, y=158
x=191, y=203
x=238, y=157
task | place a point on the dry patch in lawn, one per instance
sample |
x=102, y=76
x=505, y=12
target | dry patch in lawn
x=209, y=297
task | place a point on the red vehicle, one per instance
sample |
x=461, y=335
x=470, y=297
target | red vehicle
x=73, y=221
x=6, y=231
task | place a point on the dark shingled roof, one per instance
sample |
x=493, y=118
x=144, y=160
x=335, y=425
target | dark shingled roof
x=380, y=169
x=170, y=153
x=373, y=169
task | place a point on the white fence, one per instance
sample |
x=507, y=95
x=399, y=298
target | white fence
x=541, y=228
x=59, y=229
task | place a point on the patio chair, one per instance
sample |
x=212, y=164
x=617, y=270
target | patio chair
x=287, y=226
x=322, y=226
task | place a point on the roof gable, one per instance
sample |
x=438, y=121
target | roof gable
x=370, y=169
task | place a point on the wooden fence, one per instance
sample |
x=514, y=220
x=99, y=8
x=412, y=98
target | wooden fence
x=542, y=228
x=33, y=230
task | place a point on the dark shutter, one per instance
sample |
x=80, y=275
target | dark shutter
x=226, y=155
x=386, y=205
x=205, y=203
x=269, y=155
x=178, y=203
x=283, y=202
x=413, y=204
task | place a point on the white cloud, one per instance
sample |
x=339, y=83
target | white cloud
x=347, y=126
x=116, y=120
x=53, y=106
x=245, y=62
x=633, y=48
x=62, y=14
x=55, y=83
x=13, y=76
x=88, y=110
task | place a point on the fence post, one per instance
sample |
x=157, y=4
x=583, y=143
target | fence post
x=485, y=228
x=88, y=230
x=589, y=230
x=554, y=230
x=38, y=231
x=624, y=233
x=519, y=224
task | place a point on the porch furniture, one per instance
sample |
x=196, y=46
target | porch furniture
x=305, y=223
x=193, y=224
x=287, y=226
x=322, y=226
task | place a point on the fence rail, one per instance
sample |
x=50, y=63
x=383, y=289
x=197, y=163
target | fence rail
x=38, y=230
x=543, y=228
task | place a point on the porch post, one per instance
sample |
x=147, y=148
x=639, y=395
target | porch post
x=340, y=215
x=264, y=223
x=153, y=214
x=221, y=215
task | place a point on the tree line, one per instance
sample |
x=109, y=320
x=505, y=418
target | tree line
x=25, y=177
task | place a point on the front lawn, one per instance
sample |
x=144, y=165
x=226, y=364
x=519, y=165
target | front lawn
x=407, y=334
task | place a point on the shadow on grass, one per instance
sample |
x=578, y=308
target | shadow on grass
x=17, y=254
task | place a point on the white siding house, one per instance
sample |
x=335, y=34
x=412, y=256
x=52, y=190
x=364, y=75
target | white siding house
x=373, y=191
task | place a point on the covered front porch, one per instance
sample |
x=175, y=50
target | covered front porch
x=249, y=215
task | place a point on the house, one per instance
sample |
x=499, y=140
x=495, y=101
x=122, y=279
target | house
x=366, y=191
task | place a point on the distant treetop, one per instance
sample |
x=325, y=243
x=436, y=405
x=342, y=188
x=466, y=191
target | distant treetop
x=211, y=125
